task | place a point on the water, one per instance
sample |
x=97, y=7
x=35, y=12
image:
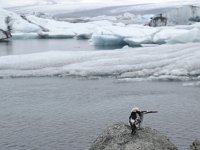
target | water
x=16, y=47
x=67, y=113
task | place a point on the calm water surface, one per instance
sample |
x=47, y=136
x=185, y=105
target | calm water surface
x=67, y=113
x=16, y=47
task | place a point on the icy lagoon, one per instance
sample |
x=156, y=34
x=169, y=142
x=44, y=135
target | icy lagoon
x=94, y=89
x=59, y=94
x=68, y=113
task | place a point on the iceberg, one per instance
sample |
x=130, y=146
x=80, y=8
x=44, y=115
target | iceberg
x=107, y=40
x=62, y=29
x=17, y=23
x=137, y=35
x=24, y=36
x=165, y=34
x=132, y=35
x=138, y=41
x=164, y=62
x=190, y=36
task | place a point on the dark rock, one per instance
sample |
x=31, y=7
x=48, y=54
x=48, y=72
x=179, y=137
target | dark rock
x=195, y=145
x=4, y=34
x=118, y=137
x=158, y=21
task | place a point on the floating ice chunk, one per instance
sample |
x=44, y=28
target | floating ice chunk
x=135, y=35
x=107, y=40
x=190, y=36
x=138, y=41
x=166, y=34
x=66, y=29
x=132, y=35
x=25, y=36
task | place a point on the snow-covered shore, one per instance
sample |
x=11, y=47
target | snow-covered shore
x=166, y=62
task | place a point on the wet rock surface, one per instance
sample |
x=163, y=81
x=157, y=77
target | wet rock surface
x=118, y=137
x=195, y=145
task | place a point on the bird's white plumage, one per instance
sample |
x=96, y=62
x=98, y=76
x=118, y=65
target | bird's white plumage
x=134, y=109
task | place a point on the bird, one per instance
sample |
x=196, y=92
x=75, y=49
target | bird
x=136, y=118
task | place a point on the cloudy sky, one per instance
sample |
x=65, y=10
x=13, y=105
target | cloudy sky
x=12, y=3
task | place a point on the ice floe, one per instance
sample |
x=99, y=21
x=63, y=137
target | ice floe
x=24, y=36
x=134, y=35
x=165, y=62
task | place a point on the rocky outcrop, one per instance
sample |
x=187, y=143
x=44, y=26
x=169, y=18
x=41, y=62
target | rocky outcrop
x=195, y=145
x=158, y=21
x=118, y=137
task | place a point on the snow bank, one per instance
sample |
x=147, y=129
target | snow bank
x=166, y=62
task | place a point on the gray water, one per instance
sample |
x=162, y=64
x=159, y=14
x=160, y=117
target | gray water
x=16, y=47
x=68, y=114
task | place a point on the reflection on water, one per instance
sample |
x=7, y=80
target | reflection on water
x=108, y=47
x=41, y=45
x=6, y=47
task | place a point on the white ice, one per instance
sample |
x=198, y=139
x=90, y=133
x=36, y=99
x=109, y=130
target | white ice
x=135, y=35
x=18, y=24
x=165, y=62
